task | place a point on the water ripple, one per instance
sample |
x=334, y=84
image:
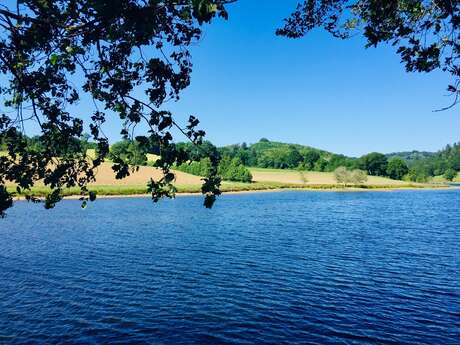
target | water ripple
x=280, y=268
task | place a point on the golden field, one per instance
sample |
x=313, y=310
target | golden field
x=312, y=177
x=106, y=177
x=263, y=179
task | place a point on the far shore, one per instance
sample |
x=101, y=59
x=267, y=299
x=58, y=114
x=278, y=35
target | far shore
x=68, y=195
x=265, y=180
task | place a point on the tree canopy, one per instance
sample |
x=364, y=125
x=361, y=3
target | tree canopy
x=450, y=174
x=425, y=33
x=272, y=154
x=126, y=57
x=230, y=168
x=425, y=166
x=374, y=163
x=397, y=168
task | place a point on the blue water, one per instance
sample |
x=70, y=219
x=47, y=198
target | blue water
x=279, y=268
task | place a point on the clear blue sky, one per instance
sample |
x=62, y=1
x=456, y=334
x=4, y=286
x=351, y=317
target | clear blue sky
x=319, y=91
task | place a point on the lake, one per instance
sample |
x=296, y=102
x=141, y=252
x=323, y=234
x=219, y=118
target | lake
x=289, y=267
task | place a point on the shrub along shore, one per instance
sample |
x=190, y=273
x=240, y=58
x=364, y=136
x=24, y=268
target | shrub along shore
x=268, y=165
x=228, y=187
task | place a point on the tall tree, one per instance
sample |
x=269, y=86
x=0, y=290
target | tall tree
x=127, y=56
x=310, y=158
x=374, y=164
x=450, y=174
x=426, y=33
x=397, y=168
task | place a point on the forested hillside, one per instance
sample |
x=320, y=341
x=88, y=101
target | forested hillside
x=272, y=154
x=411, y=157
x=414, y=166
x=445, y=162
x=411, y=166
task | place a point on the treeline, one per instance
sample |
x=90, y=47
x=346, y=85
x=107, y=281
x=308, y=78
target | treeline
x=444, y=163
x=229, y=169
x=234, y=159
x=411, y=156
x=130, y=151
x=74, y=145
x=276, y=155
x=411, y=166
x=135, y=152
x=270, y=154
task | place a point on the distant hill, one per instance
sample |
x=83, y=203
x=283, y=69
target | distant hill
x=412, y=156
x=273, y=154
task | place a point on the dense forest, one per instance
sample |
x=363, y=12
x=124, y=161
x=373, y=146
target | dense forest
x=413, y=166
x=36, y=144
x=411, y=156
x=445, y=162
x=230, y=168
x=272, y=154
x=234, y=159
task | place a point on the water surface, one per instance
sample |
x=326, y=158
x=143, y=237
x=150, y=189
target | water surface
x=291, y=267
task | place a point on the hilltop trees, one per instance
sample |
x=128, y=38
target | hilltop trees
x=286, y=157
x=242, y=152
x=271, y=154
x=130, y=56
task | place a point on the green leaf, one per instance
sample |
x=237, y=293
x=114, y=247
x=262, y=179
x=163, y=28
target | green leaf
x=54, y=58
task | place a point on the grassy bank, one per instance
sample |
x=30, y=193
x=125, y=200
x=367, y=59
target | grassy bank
x=312, y=178
x=119, y=190
x=264, y=179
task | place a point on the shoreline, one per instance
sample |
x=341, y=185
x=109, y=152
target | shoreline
x=332, y=189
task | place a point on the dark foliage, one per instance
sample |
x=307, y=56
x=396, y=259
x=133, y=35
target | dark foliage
x=234, y=170
x=374, y=164
x=131, y=151
x=229, y=169
x=411, y=156
x=397, y=168
x=450, y=174
x=271, y=154
x=197, y=168
x=127, y=57
x=436, y=164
